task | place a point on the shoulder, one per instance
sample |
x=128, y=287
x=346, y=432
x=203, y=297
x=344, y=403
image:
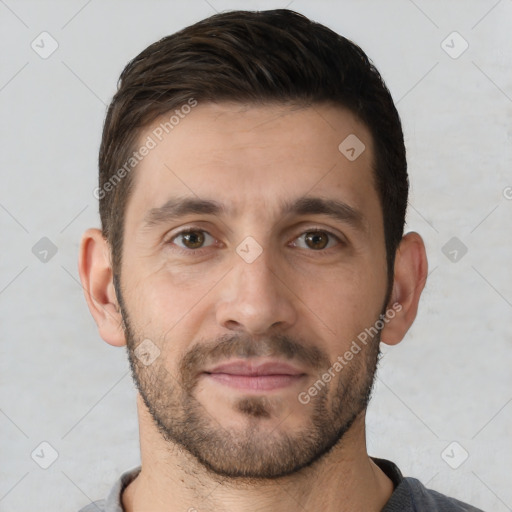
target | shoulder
x=97, y=506
x=412, y=495
x=113, y=502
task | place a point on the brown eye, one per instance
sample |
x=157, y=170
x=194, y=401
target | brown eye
x=192, y=239
x=317, y=240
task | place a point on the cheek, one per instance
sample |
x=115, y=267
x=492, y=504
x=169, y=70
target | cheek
x=340, y=293
x=171, y=288
x=164, y=305
x=342, y=305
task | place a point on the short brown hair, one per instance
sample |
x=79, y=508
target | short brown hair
x=256, y=58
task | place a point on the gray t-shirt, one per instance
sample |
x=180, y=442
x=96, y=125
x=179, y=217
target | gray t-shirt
x=410, y=495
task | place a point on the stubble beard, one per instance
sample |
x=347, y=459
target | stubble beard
x=254, y=452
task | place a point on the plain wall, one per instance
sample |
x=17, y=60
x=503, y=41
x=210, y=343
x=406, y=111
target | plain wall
x=450, y=380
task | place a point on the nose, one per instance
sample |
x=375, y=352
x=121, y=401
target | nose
x=256, y=297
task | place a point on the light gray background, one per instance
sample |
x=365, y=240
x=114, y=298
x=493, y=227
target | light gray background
x=450, y=380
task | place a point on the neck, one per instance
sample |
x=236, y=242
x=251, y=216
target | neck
x=345, y=479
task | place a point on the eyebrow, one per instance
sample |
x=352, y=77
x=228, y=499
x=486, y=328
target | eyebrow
x=178, y=207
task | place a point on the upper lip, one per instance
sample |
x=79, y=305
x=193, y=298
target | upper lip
x=252, y=368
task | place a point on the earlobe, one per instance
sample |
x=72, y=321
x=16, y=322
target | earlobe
x=411, y=269
x=96, y=275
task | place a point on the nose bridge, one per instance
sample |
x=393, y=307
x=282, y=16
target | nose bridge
x=258, y=275
x=255, y=298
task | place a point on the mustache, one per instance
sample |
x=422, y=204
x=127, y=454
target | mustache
x=246, y=346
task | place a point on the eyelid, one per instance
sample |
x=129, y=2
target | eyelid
x=339, y=239
x=188, y=229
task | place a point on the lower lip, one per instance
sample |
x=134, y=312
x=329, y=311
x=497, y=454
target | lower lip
x=255, y=382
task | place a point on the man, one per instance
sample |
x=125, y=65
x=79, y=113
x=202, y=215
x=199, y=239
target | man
x=253, y=189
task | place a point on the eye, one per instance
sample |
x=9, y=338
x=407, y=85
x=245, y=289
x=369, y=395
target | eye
x=317, y=239
x=191, y=239
x=195, y=239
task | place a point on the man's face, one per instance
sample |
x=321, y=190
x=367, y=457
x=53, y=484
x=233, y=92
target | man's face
x=260, y=297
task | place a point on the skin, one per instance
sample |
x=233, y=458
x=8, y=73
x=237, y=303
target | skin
x=251, y=158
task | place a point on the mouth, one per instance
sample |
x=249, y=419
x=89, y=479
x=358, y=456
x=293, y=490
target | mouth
x=263, y=375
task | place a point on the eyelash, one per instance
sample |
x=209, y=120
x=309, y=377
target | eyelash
x=198, y=252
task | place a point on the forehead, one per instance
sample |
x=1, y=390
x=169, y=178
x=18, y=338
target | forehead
x=252, y=159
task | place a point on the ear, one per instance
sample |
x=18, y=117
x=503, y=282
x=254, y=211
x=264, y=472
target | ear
x=411, y=269
x=96, y=274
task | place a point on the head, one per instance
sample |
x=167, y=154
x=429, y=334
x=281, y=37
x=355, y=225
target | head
x=253, y=189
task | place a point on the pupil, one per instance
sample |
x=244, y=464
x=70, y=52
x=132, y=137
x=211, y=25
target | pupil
x=316, y=238
x=194, y=239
